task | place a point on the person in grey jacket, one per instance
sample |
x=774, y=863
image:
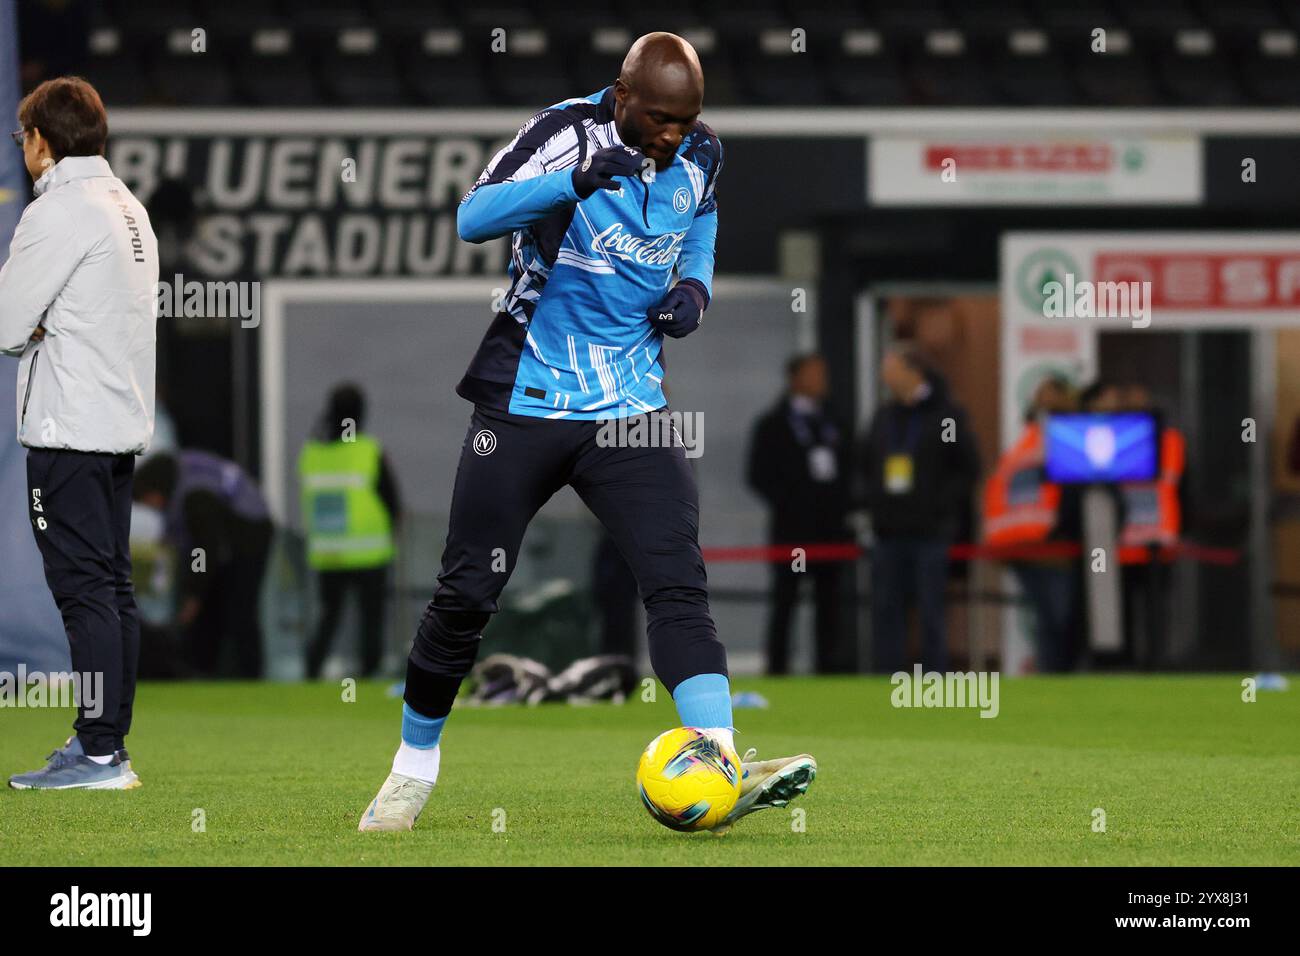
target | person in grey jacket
x=77, y=303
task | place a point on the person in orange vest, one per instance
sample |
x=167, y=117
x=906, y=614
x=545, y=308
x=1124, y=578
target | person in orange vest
x=1021, y=507
x=1153, y=513
x=1153, y=518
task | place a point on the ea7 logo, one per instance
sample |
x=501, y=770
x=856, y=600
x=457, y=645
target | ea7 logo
x=485, y=442
x=38, y=509
x=132, y=910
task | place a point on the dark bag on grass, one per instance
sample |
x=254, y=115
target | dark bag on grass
x=510, y=679
x=604, y=677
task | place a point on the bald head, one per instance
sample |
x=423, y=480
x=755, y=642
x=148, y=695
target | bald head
x=658, y=95
x=663, y=63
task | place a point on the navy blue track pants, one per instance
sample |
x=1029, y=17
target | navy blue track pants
x=646, y=497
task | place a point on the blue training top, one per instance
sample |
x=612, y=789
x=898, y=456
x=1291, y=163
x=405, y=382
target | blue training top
x=573, y=340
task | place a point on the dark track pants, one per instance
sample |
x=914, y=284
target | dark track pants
x=831, y=656
x=80, y=507
x=646, y=498
x=1052, y=590
x=226, y=638
x=369, y=585
x=903, y=568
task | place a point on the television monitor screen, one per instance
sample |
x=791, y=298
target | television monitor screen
x=1100, y=447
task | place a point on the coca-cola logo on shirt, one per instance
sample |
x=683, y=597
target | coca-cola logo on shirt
x=656, y=251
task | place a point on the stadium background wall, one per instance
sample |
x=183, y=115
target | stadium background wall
x=795, y=210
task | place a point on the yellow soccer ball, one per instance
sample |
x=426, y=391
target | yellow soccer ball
x=687, y=780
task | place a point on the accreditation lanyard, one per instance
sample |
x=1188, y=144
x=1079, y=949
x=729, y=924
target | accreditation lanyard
x=899, y=465
x=817, y=437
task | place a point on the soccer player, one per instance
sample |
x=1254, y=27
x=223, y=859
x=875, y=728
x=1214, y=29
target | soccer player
x=606, y=197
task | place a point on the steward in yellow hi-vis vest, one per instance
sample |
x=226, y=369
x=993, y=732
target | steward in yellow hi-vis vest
x=350, y=512
x=347, y=524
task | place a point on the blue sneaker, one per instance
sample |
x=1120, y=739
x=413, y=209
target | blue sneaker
x=70, y=769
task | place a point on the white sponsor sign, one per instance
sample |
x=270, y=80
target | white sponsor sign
x=1019, y=168
x=1197, y=280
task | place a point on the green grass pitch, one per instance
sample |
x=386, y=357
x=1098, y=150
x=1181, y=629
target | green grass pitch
x=1185, y=771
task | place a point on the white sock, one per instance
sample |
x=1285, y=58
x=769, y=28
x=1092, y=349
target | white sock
x=420, y=764
x=102, y=761
x=723, y=734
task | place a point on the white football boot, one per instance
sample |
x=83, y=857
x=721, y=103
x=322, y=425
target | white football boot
x=397, y=805
x=768, y=783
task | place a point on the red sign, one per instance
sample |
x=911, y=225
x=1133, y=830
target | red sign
x=1208, y=280
x=1090, y=158
x=1037, y=339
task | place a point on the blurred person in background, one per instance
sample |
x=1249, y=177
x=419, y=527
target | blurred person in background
x=1021, y=508
x=920, y=464
x=1101, y=397
x=350, y=508
x=77, y=304
x=152, y=564
x=219, y=528
x=1153, y=519
x=796, y=466
x=1153, y=509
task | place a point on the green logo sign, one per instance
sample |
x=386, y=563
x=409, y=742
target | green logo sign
x=1039, y=268
x=1133, y=158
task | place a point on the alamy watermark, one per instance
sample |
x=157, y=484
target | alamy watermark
x=1084, y=299
x=74, y=908
x=53, y=689
x=658, y=429
x=210, y=300
x=948, y=689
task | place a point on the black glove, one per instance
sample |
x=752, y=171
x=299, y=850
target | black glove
x=599, y=169
x=682, y=310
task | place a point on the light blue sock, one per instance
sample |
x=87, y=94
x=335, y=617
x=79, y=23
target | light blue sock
x=704, y=701
x=419, y=731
